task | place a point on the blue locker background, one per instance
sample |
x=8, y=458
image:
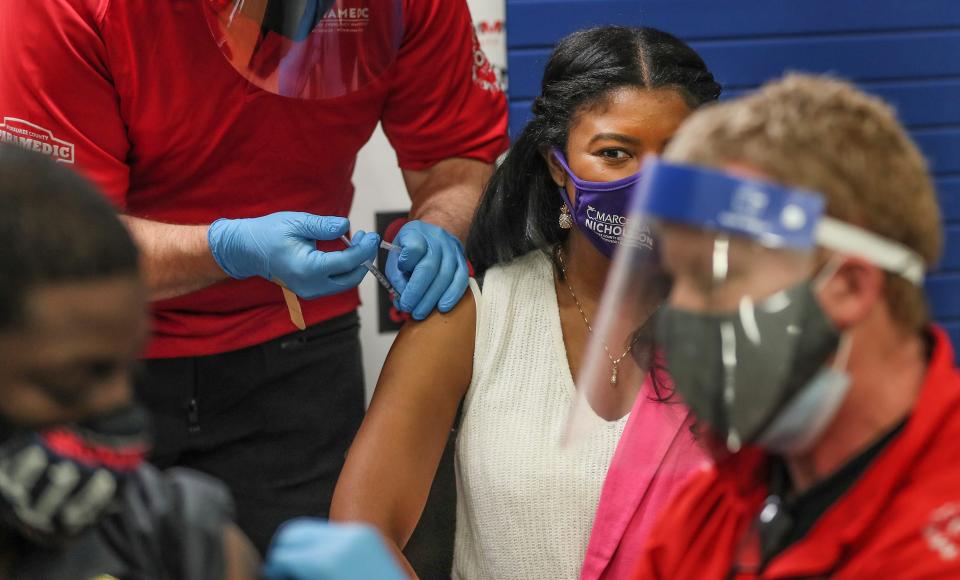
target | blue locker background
x=906, y=51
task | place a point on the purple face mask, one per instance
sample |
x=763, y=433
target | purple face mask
x=600, y=211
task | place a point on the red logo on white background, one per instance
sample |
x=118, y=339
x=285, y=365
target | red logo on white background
x=490, y=27
x=35, y=138
x=483, y=74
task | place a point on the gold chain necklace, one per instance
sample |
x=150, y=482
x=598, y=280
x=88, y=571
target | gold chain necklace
x=614, y=362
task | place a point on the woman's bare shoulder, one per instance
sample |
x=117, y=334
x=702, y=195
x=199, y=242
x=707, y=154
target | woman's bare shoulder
x=436, y=350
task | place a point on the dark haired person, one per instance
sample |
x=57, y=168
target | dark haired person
x=525, y=509
x=76, y=501
x=230, y=155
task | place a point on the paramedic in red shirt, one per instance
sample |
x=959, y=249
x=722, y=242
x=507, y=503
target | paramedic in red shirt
x=797, y=224
x=248, y=116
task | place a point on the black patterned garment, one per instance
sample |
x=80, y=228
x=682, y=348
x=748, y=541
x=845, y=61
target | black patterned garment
x=168, y=526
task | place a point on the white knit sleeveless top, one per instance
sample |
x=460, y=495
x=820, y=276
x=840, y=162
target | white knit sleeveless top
x=525, y=506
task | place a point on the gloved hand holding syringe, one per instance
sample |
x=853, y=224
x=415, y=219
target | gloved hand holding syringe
x=427, y=271
x=376, y=271
x=293, y=301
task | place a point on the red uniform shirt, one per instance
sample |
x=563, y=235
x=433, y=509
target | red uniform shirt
x=137, y=95
x=901, y=519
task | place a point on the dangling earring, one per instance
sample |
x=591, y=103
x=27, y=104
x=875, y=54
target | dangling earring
x=566, y=220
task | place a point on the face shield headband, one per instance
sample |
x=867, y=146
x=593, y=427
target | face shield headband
x=772, y=215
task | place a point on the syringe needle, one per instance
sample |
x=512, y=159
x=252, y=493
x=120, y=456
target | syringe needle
x=376, y=271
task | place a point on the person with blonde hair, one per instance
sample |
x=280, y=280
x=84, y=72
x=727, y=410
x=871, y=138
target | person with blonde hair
x=796, y=225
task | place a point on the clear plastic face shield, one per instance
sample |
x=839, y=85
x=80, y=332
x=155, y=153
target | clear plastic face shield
x=743, y=336
x=308, y=49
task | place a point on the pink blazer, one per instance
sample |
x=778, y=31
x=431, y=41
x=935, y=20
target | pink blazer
x=656, y=454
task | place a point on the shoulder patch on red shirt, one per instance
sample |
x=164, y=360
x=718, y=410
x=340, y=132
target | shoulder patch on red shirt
x=25, y=134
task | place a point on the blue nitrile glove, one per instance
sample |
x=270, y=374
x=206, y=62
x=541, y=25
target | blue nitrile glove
x=312, y=549
x=282, y=247
x=430, y=270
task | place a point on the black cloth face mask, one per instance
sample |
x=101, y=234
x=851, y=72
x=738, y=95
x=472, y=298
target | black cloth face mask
x=57, y=482
x=794, y=341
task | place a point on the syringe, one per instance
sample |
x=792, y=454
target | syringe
x=376, y=271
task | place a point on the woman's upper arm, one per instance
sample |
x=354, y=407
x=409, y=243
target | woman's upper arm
x=392, y=462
